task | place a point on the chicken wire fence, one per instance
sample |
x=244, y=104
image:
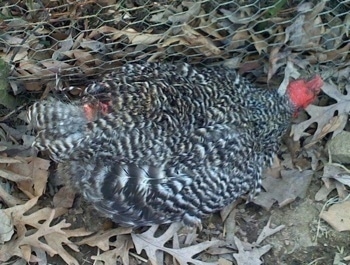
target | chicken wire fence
x=45, y=39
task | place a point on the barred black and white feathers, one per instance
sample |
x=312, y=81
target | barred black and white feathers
x=154, y=143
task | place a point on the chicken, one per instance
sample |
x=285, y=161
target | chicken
x=154, y=143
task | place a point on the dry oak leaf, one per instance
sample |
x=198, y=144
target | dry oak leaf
x=252, y=256
x=250, y=253
x=155, y=249
x=20, y=245
x=112, y=250
x=32, y=228
x=57, y=240
x=325, y=117
x=34, y=171
x=120, y=249
x=102, y=238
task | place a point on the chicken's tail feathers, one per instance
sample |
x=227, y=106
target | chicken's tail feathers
x=60, y=127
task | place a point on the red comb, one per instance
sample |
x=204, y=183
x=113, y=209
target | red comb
x=303, y=92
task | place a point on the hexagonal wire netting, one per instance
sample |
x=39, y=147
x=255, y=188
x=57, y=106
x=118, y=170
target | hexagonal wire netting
x=43, y=40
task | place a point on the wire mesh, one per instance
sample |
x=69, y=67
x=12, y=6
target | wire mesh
x=75, y=39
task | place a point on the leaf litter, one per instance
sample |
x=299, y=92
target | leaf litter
x=31, y=230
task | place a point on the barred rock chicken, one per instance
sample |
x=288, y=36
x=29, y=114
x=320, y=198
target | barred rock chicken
x=154, y=143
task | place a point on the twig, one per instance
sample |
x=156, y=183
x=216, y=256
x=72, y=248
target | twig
x=138, y=257
x=8, y=199
x=13, y=112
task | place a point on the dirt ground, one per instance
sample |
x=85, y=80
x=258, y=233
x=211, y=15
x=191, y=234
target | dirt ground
x=306, y=239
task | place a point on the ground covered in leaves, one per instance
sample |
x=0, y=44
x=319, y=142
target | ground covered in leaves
x=303, y=214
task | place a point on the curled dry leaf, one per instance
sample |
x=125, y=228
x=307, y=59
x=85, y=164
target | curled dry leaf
x=260, y=44
x=65, y=45
x=30, y=174
x=332, y=55
x=289, y=72
x=200, y=42
x=208, y=27
x=243, y=15
x=335, y=176
x=338, y=173
x=134, y=36
x=277, y=59
x=11, y=160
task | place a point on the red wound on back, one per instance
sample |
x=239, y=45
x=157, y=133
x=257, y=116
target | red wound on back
x=93, y=111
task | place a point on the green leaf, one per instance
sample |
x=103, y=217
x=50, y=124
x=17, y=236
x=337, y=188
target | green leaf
x=6, y=99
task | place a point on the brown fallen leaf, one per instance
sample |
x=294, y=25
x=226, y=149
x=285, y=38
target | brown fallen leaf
x=58, y=240
x=121, y=248
x=200, y=42
x=32, y=228
x=208, y=27
x=9, y=199
x=338, y=216
x=102, y=238
x=155, y=249
x=239, y=38
x=251, y=256
x=64, y=198
x=260, y=44
x=284, y=190
x=323, y=192
x=12, y=176
x=37, y=170
x=277, y=59
x=134, y=36
x=333, y=55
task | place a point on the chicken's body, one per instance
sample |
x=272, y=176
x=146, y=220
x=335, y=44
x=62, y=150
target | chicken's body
x=154, y=143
